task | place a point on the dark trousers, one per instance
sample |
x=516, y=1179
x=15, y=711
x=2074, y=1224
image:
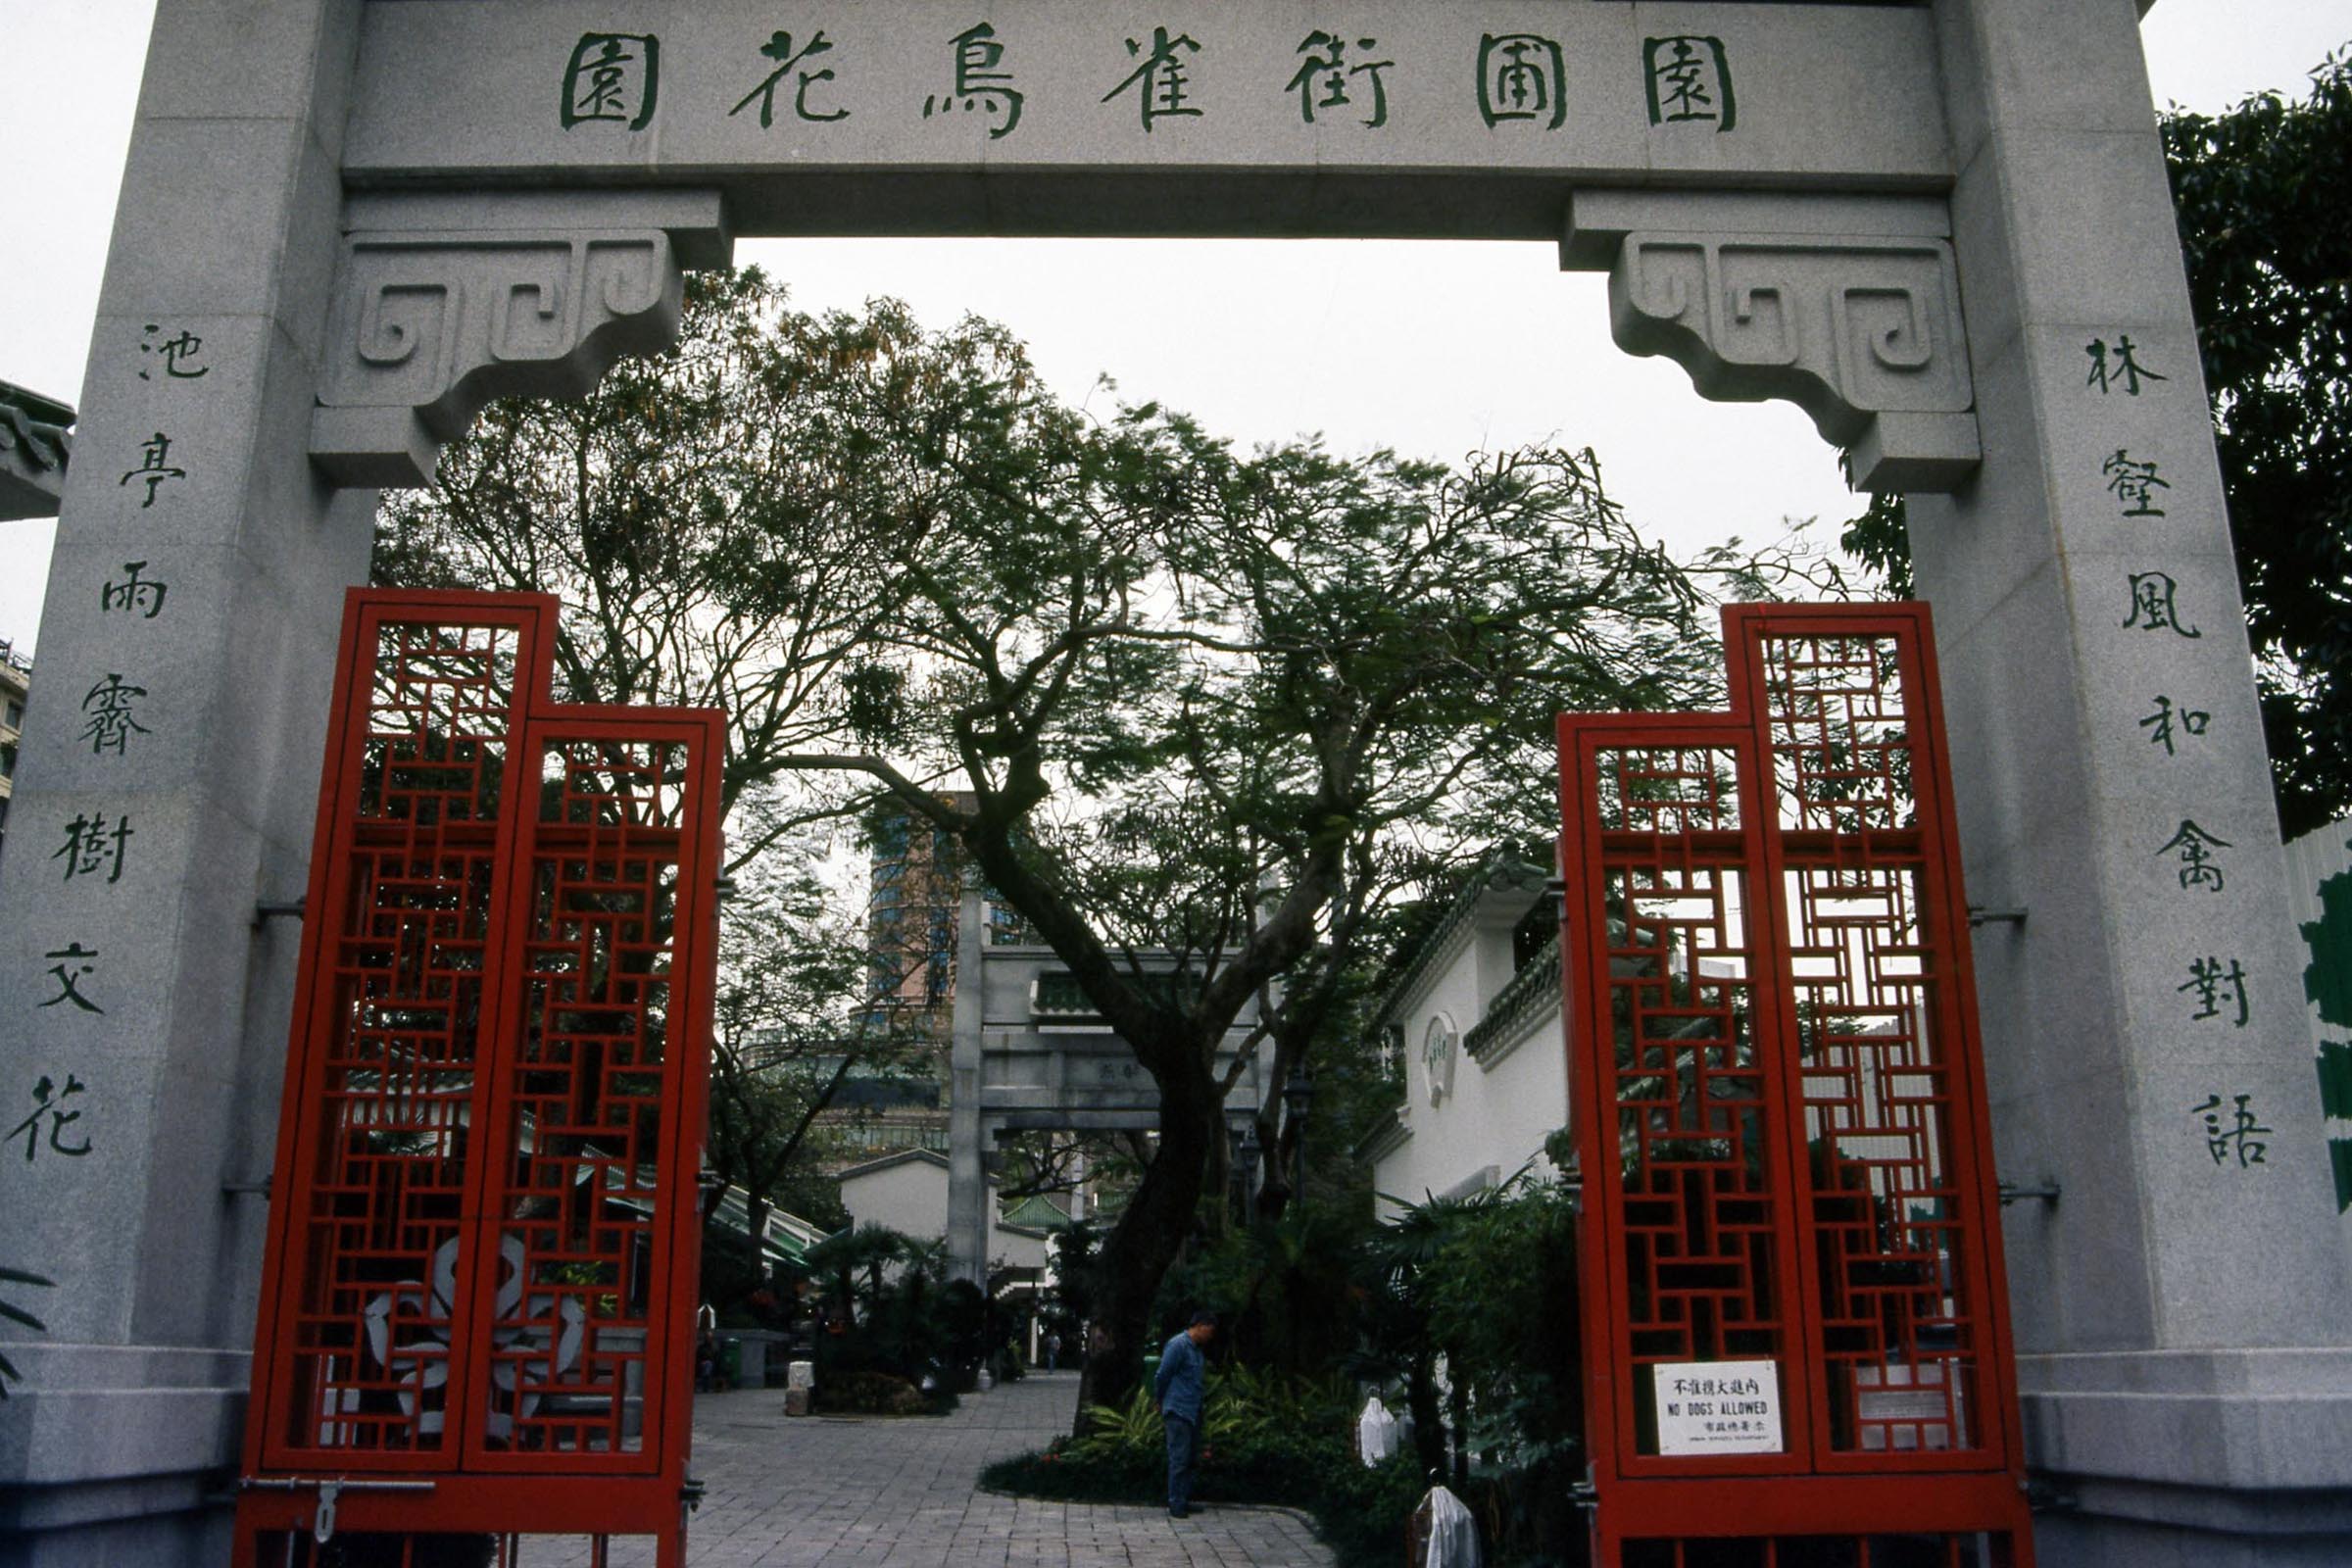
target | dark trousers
x=1184, y=1452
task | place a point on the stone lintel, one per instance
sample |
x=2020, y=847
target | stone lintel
x=1846, y=306
x=444, y=301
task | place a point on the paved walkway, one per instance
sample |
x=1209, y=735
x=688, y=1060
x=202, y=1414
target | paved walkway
x=872, y=1493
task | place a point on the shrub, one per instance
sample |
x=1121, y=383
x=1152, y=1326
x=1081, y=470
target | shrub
x=1265, y=1441
x=877, y=1393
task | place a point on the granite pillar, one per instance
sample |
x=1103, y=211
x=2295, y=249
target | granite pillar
x=2182, y=1307
x=167, y=787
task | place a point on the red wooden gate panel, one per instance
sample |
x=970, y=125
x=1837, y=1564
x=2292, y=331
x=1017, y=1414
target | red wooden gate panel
x=1800, y=1325
x=477, y=1304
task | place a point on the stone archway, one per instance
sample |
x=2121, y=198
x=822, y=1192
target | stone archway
x=371, y=216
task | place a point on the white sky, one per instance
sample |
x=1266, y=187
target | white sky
x=1432, y=348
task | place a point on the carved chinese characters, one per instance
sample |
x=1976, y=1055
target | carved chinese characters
x=821, y=74
x=52, y=1099
x=2166, y=623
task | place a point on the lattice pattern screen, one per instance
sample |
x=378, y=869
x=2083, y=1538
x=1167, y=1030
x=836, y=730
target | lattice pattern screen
x=1900, y=1339
x=389, y=1130
x=1701, y=1249
x=482, y=1258
x=1779, y=1115
x=588, y=1096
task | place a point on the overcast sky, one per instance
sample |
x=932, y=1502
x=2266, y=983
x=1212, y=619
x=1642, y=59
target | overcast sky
x=1432, y=348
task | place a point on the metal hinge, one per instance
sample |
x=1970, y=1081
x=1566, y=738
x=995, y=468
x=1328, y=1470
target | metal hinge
x=2018, y=1192
x=277, y=910
x=2048, y=1496
x=1978, y=914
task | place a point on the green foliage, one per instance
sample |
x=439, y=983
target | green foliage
x=1241, y=1406
x=793, y=1026
x=18, y=1315
x=2263, y=195
x=1490, y=1283
x=890, y=1314
x=1266, y=1440
x=1287, y=1305
x=1132, y=1426
x=1879, y=538
x=873, y=1393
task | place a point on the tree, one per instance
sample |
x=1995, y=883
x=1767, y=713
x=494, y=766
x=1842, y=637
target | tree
x=1163, y=696
x=2264, y=198
x=695, y=514
x=1217, y=705
x=792, y=1026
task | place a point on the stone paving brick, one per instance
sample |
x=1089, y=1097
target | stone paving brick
x=834, y=1491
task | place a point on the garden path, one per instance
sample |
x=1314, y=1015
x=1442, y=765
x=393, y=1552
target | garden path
x=828, y=1492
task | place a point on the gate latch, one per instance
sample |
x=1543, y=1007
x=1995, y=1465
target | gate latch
x=330, y=1490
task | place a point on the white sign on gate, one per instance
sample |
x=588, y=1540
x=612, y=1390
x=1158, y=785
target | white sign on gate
x=1717, y=1406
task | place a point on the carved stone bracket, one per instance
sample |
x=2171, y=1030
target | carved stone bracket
x=443, y=303
x=1860, y=329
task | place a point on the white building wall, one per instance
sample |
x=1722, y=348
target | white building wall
x=1469, y=1123
x=912, y=1196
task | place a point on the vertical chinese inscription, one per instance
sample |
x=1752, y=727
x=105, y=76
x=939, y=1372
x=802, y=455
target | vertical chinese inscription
x=108, y=709
x=2117, y=367
x=49, y=1103
x=2241, y=1136
x=155, y=468
x=74, y=964
x=2155, y=605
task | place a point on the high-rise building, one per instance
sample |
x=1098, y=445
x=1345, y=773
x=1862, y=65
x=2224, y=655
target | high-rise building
x=915, y=879
x=915, y=884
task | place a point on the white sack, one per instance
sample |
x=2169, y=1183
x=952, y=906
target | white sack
x=1375, y=1433
x=1452, y=1532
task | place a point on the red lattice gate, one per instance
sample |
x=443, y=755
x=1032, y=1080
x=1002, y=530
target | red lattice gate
x=1796, y=1332
x=477, y=1306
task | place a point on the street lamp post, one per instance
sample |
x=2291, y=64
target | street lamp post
x=1299, y=1094
x=1248, y=1151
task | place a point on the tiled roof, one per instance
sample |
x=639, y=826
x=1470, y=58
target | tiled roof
x=35, y=443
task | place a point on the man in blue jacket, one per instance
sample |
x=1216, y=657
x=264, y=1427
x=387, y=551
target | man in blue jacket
x=1182, y=1377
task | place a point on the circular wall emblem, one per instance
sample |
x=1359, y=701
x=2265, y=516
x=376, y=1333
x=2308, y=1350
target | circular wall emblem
x=1438, y=1051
